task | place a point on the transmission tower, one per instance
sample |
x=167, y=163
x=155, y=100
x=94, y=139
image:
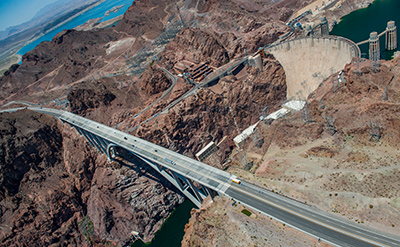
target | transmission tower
x=244, y=160
x=329, y=125
x=385, y=95
x=306, y=114
x=374, y=131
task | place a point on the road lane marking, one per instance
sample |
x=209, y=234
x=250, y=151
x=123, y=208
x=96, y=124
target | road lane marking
x=71, y=117
x=255, y=196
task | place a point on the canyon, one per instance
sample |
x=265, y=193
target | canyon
x=57, y=190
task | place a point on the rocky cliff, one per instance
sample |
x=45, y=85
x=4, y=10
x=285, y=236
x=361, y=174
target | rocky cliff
x=52, y=181
x=79, y=196
x=340, y=153
x=223, y=222
x=40, y=202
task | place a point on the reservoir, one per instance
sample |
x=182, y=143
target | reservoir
x=96, y=12
x=359, y=24
x=172, y=231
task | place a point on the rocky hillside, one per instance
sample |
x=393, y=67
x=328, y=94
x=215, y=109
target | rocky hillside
x=75, y=194
x=223, y=223
x=56, y=190
x=341, y=152
x=39, y=199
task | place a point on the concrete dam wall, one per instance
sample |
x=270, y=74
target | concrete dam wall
x=308, y=61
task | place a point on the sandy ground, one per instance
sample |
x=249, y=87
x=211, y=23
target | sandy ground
x=223, y=223
x=6, y=63
x=344, y=180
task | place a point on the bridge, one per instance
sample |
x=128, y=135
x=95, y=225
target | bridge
x=197, y=180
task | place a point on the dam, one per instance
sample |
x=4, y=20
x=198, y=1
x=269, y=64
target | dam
x=308, y=61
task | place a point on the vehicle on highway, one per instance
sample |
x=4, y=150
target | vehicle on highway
x=170, y=161
x=235, y=180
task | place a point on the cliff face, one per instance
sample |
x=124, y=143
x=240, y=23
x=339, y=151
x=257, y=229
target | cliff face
x=340, y=153
x=219, y=111
x=39, y=199
x=155, y=81
x=51, y=180
x=202, y=45
x=93, y=69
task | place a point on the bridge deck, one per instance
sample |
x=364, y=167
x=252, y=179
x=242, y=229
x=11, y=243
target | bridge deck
x=303, y=217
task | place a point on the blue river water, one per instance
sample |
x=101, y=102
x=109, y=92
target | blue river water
x=359, y=24
x=96, y=12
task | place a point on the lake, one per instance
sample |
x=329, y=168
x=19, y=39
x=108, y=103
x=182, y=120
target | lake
x=359, y=24
x=96, y=12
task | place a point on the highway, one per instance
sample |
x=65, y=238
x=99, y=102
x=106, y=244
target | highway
x=328, y=227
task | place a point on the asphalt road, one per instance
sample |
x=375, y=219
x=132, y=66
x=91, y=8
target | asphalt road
x=328, y=227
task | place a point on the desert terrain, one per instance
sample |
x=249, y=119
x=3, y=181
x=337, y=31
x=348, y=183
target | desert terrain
x=116, y=76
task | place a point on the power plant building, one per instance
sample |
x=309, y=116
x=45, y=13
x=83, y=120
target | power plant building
x=206, y=151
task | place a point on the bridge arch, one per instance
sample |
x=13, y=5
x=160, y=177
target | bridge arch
x=110, y=150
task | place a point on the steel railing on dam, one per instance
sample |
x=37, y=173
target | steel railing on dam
x=182, y=171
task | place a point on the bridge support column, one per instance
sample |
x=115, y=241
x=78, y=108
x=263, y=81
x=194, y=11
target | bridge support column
x=103, y=143
x=178, y=181
x=195, y=190
x=207, y=191
x=92, y=141
x=96, y=140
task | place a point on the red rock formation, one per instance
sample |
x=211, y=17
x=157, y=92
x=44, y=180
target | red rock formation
x=83, y=98
x=154, y=81
x=49, y=182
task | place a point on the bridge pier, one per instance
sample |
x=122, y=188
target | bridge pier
x=96, y=140
x=391, y=36
x=91, y=140
x=111, y=153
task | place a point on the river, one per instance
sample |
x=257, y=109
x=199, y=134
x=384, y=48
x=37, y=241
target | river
x=359, y=24
x=96, y=12
x=172, y=231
